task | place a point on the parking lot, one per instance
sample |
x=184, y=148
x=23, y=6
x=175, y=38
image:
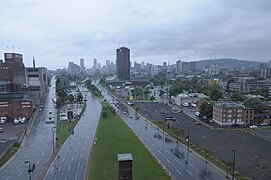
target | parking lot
x=253, y=155
x=11, y=133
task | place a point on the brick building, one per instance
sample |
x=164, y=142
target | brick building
x=15, y=105
x=228, y=113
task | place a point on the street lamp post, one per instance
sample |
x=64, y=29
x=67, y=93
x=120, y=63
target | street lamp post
x=31, y=168
x=233, y=163
x=187, y=139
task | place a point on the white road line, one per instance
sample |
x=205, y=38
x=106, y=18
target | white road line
x=64, y=159
x=76, y=177
x=72, y=158
x=206, y=178
x=42, y=154
x=159, y=144
x=159, y=152
x=81, y=155
x=75, y=149
x=191, y=165
x=37, y=162
x=177, y=161
x=167, y=152
x=7, y=178
x=178, y=171
x=167, y=160
x=152, y=144
x=78, y=165
x=59, y=168
x=20, y=174
x=69, y=167
x=188, y=172
x=197, y=170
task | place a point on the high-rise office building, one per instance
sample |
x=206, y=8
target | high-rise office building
x=95, y=63
x=123, y=63
x=82, y=64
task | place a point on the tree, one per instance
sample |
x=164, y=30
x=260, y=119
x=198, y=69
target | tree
x=152, y=98
x=239, y=96
x=262, y=92
x=215, y=94
x=71, y=98
x=175, y=89
x=206, y=109
x=255, y=103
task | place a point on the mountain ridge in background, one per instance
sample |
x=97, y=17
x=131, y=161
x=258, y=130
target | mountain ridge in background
x=227, y=62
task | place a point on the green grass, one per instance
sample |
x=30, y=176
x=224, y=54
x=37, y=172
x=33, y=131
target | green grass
x=114, y=137
x=10, y=152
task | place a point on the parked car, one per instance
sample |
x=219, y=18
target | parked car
x=194, y=105
x=22, y=120
x=16, y=121
x=3, y=120
x=198, y=123
x=1, y=130
x=197, y=114
x=253, y=126
x=185, y=104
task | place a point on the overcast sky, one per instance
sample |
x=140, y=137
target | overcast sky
x=58, y=31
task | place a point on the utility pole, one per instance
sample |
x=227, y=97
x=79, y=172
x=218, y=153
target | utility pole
x=233, y=163
x=187, y=139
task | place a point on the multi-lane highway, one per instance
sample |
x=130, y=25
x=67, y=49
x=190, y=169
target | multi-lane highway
x=71, y=161
x=36, y=147
x=175, y=158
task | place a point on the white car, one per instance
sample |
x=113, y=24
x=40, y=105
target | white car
x=253, y=126
x=185, y=104
x=22, y=120
x=197, y=114
x=3, y=120
x=16, y=121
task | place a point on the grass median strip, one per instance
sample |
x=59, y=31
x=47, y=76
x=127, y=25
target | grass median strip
x=114, y=137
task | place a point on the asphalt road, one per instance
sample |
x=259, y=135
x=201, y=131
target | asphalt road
x=71, y=161
x=253, y=155
x=164, y=148
x=37, y=147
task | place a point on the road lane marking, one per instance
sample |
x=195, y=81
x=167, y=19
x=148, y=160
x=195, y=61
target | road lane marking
x=37, y=162
x=81, y=155
x=159, y=152
x=191, y=165
x=76, y=177
x=42, y=154
x=64, y=159
x=197, y=170
x=167, y=152
x=152, y=144
x=178, y=171
x=20, y=174
x=59, y=168
x=78, y=165
x=177, y=161
x=69, y=167
x=72, y=158
x=188, y=172
x=7, y=178
x=167, y=160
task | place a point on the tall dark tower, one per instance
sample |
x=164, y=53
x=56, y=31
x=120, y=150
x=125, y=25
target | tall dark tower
x=123, y=64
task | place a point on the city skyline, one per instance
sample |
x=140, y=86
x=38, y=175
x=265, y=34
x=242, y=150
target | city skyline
x=180, y=30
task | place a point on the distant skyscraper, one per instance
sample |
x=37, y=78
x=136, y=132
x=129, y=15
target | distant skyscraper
x=82, y=64
x=192, y=66
x=123, y=63
x=107, y=63
x=95, y=63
